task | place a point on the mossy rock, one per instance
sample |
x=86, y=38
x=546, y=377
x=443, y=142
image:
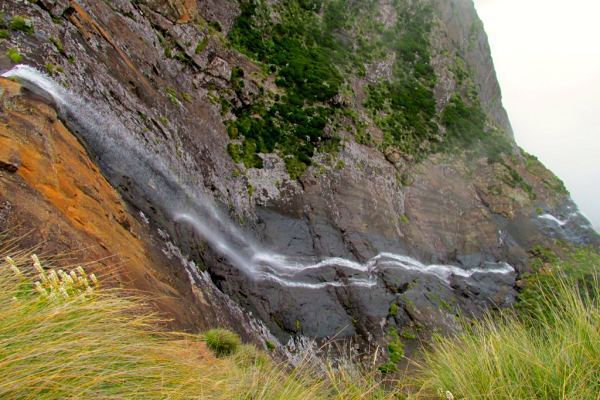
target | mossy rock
x=19, y=23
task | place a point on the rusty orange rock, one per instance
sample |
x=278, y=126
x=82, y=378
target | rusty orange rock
x=58, y=197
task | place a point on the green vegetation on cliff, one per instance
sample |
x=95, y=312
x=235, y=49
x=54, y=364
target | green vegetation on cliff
x=316, y=52
x=19, y=23
x=404, y=106
x=464, y=123
x=292, y=123
x=14, y=56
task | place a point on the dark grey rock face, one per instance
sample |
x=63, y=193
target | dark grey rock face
x=566, y=223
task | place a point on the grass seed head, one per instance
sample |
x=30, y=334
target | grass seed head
x=16, y=271
x=94, y=280
x=40, y=289
x=53, y=278
x=37, y=264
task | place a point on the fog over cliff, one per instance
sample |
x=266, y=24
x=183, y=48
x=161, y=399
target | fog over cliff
x=548, y=63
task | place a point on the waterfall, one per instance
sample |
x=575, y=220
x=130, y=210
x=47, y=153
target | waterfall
x=552, y=218
x=149, y=185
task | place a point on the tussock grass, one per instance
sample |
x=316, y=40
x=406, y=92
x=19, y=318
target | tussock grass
x=552, y=351
x=63, y=339
x=62, y=335
x=222, y=342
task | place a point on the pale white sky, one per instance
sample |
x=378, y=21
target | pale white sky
x=547, y=57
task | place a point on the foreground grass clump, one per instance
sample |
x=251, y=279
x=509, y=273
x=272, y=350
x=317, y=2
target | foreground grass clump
x=222, y=342
x=62, y=335
x=551, y=351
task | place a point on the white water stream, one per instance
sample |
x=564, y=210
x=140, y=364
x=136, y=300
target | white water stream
x=153, y=188
x=552, y=218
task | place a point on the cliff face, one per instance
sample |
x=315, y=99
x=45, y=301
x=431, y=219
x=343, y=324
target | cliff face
x=52, y=195
x=362, y=143
x=463, y=31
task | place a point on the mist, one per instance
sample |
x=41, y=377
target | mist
x=547, y=59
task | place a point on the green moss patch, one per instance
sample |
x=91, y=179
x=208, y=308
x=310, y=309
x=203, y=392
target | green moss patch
x=19, y=23
x=14, y=56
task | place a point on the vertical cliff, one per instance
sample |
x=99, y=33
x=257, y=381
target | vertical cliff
x=463, y=30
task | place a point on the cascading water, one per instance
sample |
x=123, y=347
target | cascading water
x=552, y=218
x=146, y=182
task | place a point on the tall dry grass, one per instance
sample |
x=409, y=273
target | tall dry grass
x=551, y=351
x=62, y=335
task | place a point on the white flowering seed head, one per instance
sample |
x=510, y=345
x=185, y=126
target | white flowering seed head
x=16, y=271
x=35, y=259
x=53, y=277
x=37, y=264
x=449, y=395
x=83, y=281
x=94, y=280
x=40, y=289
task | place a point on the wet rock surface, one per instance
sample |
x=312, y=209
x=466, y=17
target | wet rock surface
x=59, y=198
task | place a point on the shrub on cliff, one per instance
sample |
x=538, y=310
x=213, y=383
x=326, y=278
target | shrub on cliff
x=14, y=56
x=19, y=23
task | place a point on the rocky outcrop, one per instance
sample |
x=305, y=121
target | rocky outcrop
x=407, y=243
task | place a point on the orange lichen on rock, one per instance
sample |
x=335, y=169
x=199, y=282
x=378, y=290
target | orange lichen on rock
x=187, y=10
x=55, y=189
